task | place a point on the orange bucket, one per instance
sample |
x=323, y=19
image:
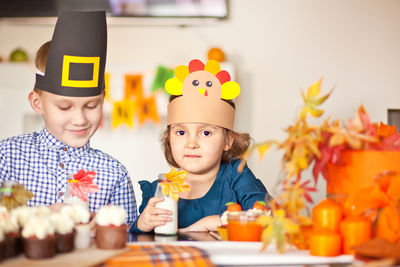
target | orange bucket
x=358, y=170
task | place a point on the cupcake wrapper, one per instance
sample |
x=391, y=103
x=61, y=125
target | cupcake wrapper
x=12, y=245
x=65, y=242
x=40, y=248
x=111, y=237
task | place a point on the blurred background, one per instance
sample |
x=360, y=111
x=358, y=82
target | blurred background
x=274, y=49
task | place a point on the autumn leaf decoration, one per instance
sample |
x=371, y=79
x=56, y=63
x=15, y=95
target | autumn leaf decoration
x=278, y=228
x=15, y=195
x=301, y=145
x=312, y=101
x=174, y=183
x=82, y=184
x=315, y=146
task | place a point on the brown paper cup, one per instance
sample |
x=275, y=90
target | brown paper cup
x=40, y=248
x=12, y=245
x=65, y=242
x=111, y=237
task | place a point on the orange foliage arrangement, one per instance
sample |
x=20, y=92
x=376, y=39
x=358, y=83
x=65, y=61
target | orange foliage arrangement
x=314, y=145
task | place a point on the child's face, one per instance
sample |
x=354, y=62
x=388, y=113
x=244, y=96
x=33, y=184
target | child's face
x=72, y=120
x=197, y=147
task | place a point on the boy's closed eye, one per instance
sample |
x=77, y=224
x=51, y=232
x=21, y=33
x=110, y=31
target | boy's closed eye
x=64, y=107
x=92, y=106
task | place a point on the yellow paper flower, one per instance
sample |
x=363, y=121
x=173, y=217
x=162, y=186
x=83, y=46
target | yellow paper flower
x=174, y=184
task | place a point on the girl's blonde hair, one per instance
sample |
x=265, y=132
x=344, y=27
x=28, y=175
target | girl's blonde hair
x=241, y=142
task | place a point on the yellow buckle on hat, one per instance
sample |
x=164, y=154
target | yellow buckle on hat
x=65, y=81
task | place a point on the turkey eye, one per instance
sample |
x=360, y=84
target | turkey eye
x=195, y=82
x=209, y=83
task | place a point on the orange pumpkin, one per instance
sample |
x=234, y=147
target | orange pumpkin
x=216, y=54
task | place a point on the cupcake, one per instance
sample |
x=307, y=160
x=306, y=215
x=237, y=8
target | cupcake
x=12, y=241
x=78, y=212
x=1, y=244
x=22, y=214
x=38, y=236
x=80, y=215
x=111, y=227
x=64, y=228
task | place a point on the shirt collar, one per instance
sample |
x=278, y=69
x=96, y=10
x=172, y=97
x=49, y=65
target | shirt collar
x=53, y=143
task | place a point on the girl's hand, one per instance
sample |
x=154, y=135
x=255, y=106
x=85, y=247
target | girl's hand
x=152, y=217
x=205, y=224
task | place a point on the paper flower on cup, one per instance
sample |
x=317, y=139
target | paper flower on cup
x=14, y=195
x=174, y=184
x=82, y=184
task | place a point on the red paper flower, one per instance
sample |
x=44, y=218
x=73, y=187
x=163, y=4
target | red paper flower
x=82, y=184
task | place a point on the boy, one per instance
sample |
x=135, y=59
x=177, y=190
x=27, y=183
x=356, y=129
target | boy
x=69, y=95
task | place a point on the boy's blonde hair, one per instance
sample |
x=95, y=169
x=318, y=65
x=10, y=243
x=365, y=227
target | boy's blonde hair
x=41, y=59
x=241, y=142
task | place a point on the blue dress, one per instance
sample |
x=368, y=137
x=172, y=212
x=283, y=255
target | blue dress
x=229, y=186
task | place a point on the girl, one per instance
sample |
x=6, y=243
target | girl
x=200, y=140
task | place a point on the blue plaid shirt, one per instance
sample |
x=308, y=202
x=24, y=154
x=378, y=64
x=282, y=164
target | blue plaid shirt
x=42, y=163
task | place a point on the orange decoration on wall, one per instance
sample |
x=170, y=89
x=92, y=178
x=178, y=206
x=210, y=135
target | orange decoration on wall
x=147, y=110
x=327, y=215
x=355, y=230
x=133, y=86
x=325, y=243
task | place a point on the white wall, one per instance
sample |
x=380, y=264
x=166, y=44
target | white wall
x=278, y=48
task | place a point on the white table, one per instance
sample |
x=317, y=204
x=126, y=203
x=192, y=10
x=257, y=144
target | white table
x=248, y=253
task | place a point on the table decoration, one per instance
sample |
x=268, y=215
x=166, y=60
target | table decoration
x=351, y=156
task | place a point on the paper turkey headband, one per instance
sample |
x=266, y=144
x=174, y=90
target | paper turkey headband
x=77, y=56
x=202, y=90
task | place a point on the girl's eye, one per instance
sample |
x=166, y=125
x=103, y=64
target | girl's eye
x=195, y=82
x=206, y=133
x=180, y=132
x=209, y=83
x=63, y=108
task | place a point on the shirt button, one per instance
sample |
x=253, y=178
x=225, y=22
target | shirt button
x=65, y=149
x=195, y=206
x=62, y=165
x=60, y=194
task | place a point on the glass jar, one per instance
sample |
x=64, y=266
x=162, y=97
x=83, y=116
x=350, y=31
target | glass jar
x=69, y=199
x=171, y=227
x=243, y=226
x=7, y=188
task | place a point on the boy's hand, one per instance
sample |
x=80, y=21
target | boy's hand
x=152, y=217
x=205, y=224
